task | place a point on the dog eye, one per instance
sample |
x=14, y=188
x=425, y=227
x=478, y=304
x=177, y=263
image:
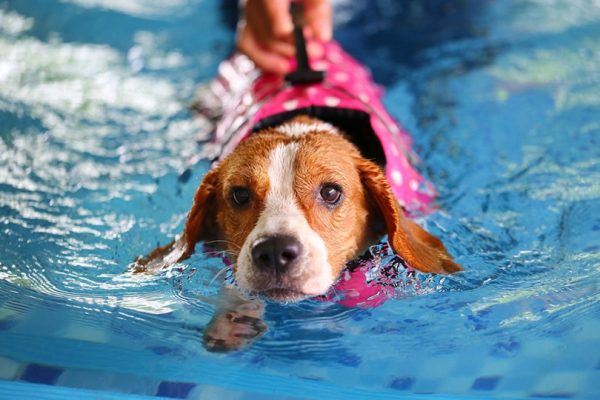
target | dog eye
x=331, y=194
x=240, y=195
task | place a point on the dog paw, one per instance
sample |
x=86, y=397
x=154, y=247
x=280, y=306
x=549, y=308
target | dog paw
x=232, y=331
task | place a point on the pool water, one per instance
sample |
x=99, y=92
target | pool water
x=503, y=101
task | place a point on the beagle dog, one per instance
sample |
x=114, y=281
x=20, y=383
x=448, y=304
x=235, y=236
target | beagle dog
x=296, y=192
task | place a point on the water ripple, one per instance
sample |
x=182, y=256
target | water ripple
x=94, y=132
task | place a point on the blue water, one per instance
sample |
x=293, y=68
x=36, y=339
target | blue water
x=503, y=101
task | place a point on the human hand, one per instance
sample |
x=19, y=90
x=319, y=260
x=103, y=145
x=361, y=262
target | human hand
x=265, y=35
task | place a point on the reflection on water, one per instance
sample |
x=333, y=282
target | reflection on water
x=502, y=99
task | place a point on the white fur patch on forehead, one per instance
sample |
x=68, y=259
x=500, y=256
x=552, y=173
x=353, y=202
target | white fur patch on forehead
x=282, y=215
x=296, y=129
x=282, y=161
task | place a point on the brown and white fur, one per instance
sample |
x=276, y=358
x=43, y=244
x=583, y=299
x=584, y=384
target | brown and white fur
x=293, y=204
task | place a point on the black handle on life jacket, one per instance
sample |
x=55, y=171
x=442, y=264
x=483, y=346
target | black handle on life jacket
x=303, y=74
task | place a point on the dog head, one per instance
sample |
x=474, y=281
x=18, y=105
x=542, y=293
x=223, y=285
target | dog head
x=293, y=204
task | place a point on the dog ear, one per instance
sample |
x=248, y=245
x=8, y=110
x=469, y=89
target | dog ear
x=420, y=249
x=200, y=225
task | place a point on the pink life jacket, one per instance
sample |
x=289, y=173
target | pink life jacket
x=241, y=100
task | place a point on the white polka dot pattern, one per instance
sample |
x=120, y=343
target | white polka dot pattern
x=331, y=101
x=397, y=177
x=290, y=105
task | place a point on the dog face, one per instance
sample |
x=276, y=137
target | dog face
x=293, y=208
x=292, y=205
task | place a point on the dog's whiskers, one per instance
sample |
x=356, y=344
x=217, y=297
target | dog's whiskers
x=227, y=253
x=220, y=272
x=230, y=256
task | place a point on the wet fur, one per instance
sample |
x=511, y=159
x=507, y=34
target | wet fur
x=369, y=210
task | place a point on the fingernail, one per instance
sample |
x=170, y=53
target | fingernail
x=287, y=27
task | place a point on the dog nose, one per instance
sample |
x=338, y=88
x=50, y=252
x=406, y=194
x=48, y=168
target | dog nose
x=276, y=252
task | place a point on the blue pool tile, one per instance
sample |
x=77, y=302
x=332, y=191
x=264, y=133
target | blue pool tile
x=9, y=369
x=518, y=383
x=474, y=323
x=402, y=383
x=176, y=390
x=486, y=383
x=108, y=381
x=598, y=365
x=312, y=378
x=161, y=350
x=8, y=323
x=508, y=348
x=558, y=384
x=36, y=373
x=349, y=359
x=551, y=395
x=208, y=392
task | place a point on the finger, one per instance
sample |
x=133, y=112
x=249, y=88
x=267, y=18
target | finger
x=264, y=59
x=266, y=42
x=263, y=21
x=284, y=49
x=279, y=18
x=257, y=21
x=318, y=15
x=315, y=49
